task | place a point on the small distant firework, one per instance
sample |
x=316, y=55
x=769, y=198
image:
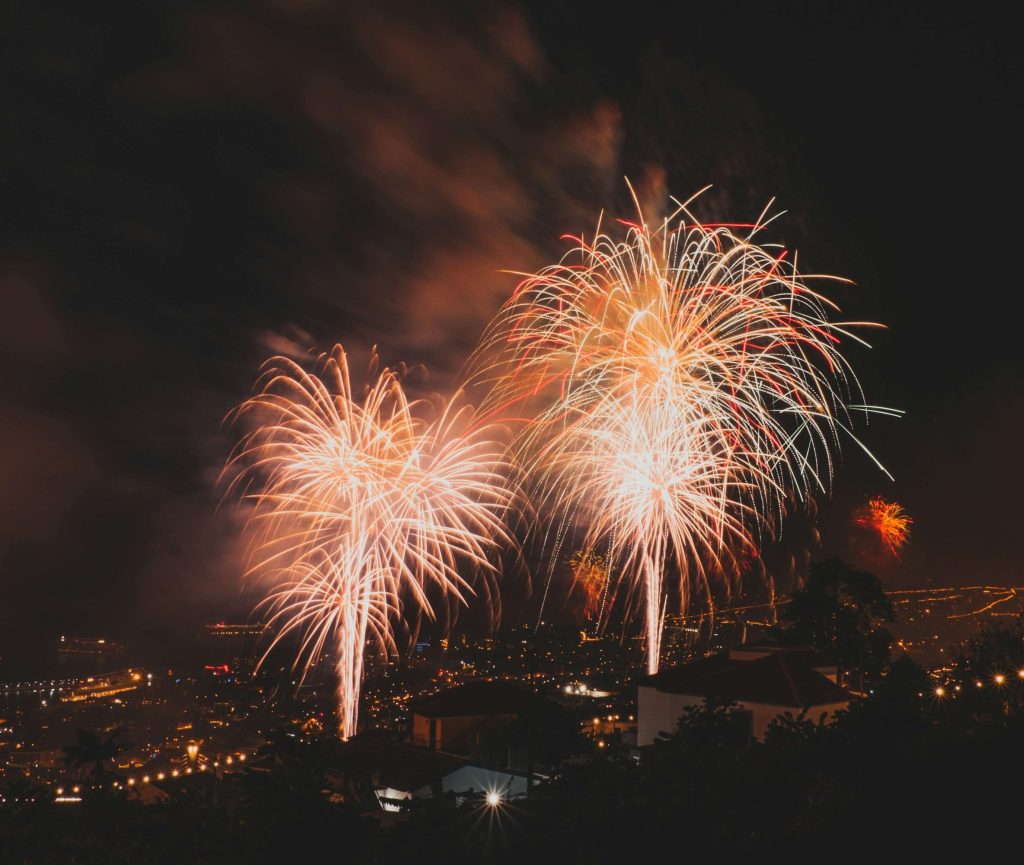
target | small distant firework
x=363, y=506
x=887, y=520
x=674, y=386
x=590, y=574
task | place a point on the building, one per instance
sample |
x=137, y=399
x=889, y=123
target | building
x=88, y=646
x=225, y=632
x=395, y=772
x=230, y=650
x=765, y=680
x=453, y=720
x=106, y=685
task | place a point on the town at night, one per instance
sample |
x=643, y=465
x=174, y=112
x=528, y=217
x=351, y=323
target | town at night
x=508, y=431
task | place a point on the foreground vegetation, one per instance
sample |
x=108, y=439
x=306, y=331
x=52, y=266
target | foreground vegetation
x=919, y=765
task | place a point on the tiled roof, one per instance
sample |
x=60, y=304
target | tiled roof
x=394, y=764
x=475, y=698
x=777, y=679
x=810, y=657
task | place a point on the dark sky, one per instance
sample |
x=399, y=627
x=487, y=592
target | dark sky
x=190, y=187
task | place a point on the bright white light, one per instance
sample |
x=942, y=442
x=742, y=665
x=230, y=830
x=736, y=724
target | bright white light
x=494, y=799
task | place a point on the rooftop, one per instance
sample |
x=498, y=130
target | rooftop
x=394, y=764
x=475, y=698
x=777, y=678
x=805, y=654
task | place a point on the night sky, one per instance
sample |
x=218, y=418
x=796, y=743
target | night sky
x=191, y=187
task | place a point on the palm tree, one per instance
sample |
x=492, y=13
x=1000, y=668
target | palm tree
x=92, y=749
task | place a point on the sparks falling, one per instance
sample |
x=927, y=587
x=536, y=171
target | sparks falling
x=672, y=387
x=364, y=511
x=888, y=521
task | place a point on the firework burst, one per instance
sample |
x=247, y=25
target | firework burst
x=364, y=511
x=672, y=387
x=590, y=573
x=888, y=521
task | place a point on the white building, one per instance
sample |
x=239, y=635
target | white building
x=396, y=771
x=765, y=680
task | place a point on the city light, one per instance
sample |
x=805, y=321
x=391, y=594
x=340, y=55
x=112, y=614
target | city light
x=940, y=692
x=494, y=799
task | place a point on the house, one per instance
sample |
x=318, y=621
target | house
x=453, y=720
x=396, y=771
x=765, y=680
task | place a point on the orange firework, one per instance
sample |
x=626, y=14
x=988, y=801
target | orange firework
x=888, y=520
x=365, y=510
x=673, y=383
x=590, y=573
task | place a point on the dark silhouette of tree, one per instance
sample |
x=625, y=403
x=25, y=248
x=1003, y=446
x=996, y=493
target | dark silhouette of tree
x=284, y=805
x=93, y=751
x=555, y=733
x=902, y=768
x=281, y=746
x=989, y=668
x=840, y=612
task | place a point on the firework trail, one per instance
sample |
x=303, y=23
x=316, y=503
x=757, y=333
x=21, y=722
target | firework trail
x=671, y=387
x=364, y=511
x=887, y=520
